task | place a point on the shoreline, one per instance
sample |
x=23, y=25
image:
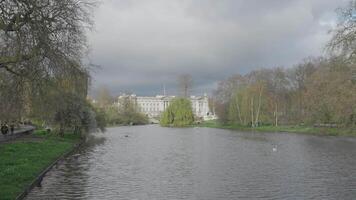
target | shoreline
x=26, y=160
x=126, y=125
x=307, y=130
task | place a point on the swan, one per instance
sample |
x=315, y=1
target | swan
x=274, y=149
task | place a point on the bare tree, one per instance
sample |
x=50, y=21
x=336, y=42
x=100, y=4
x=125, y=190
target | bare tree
x=104, y=97
x=185, y=83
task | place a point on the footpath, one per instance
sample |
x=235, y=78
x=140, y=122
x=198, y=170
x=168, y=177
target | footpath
x=23, y=130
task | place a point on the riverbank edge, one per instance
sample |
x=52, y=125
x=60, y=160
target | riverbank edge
x=127, y=125
x=37, y=181
x=307, y=130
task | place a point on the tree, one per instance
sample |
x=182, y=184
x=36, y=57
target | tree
x=62, y=104
x=11, y=97
x=42, y=76
x=278, y=90
x=331, y=93
x=44, y=37
x=74, y=114
x=104, y=97
x=247, y=98
x=298, y=77
x=179, y=113
x=129, y=113
x=223, y=95
x=185, y=83
x=343, y=41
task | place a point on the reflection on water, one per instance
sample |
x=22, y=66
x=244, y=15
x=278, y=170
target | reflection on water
x=150, y=162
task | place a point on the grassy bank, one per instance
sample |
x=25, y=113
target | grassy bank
x=290, y=129
x=21, y=161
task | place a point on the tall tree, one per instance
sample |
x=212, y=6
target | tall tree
x=185, y=83
x=42, y=43
x=298, y=77
x=129, y=112
x=104, y=97
x=343, y=41
x=43, y=37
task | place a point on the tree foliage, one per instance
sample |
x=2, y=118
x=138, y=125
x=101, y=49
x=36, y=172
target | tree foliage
x=42, y=76
x=315, y=91
x=41, y=38
x=129, y=114
x=62, y=104
x=178, y=113
x=123, y=112
x=343, y=41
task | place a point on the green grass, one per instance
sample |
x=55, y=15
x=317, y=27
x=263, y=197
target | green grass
x=22, y=161
x=290, y=129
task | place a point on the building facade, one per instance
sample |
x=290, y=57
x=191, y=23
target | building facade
x=153, y=106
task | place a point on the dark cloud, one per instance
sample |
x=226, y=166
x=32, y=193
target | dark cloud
x=143, y=44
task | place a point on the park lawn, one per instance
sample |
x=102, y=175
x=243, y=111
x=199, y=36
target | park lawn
x=21, y=161
x=290, y=129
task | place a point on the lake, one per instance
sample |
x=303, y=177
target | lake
x=151, y=162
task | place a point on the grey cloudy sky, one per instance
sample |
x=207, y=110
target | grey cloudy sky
x=143, y=44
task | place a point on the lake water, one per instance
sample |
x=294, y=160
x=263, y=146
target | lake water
x=150, y=162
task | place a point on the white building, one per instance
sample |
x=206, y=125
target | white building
x=154, y=106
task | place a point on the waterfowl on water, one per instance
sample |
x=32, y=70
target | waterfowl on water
x=274, y=149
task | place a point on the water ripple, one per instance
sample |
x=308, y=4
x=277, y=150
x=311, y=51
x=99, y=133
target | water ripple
x=202, y=163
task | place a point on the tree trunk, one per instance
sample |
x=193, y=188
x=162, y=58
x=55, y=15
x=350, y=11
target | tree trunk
x=238, y=109
x=259, y=106
x=61, y=130
x=252, y=116
x=276, y=114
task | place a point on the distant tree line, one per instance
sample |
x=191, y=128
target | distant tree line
x=123, y=111
x=316, y=91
